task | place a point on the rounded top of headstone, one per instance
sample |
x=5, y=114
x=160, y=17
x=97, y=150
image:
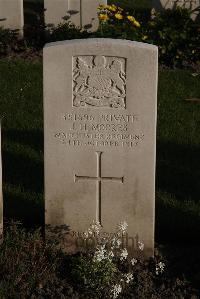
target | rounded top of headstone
x=101, y=42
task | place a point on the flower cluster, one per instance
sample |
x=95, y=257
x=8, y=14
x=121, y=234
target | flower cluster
x=102, y=254
x=122, y=227
x=140, y=245
x=109, y=252
x=133, y=21
x=133, y=261
x=94, y=230
x=160, y=268
x=128, y=277
x=115, y=13
x=116, y=290
x=124, y=254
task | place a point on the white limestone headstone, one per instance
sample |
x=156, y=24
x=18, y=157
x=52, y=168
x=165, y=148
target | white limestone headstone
x=82, y=13
x=1, y=194
x=12, y=15
x=171, y=4
x=100, y=136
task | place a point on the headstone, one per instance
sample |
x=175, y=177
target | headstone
x=171, y=4
x=11, y=15
x=1, y=195
x=100, y=136
x=82, y=13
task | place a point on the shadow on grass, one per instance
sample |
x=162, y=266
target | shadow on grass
x=178, y=170
x=19, y=207
x=23, y=171
x=177, y=201
x=176, y=223
x=31, y=138
x=23, y=165
x=23, y=176
x=182, y=262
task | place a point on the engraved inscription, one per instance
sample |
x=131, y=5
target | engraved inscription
x=105, y=130
x=99, y=81
x=99, y=179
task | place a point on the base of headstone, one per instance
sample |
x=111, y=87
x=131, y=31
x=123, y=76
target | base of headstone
x=71, y=242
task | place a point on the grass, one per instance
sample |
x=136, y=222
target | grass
x=178, y=146
x=178, y=159
x=22, y=134
x=26, y=264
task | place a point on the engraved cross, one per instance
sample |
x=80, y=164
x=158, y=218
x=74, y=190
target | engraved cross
x=99, y=179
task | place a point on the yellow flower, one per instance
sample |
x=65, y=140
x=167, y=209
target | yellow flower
x=118, y=16
x=144, y=37
x=101, y=6
x=136, y=24
x=103, y=17
x=112, y=7
x=131, y=18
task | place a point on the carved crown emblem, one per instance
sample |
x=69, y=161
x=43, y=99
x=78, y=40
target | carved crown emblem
x=99, y=81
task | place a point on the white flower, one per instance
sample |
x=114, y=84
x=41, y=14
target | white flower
x=100, y=254
x=160, y=268
x=115, y=242
x=93, y=230
x=133, y=261
x=86, y=235
x=128, y=277
x=116, y=290
x=96, y=227
x=90, y=231
x=153, y=13
x=124, y=254
x=110, y=255
x=119, y=242
x=122, y=227
x=141, y=245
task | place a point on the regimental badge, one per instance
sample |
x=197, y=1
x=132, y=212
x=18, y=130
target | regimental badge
x=99, y=81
